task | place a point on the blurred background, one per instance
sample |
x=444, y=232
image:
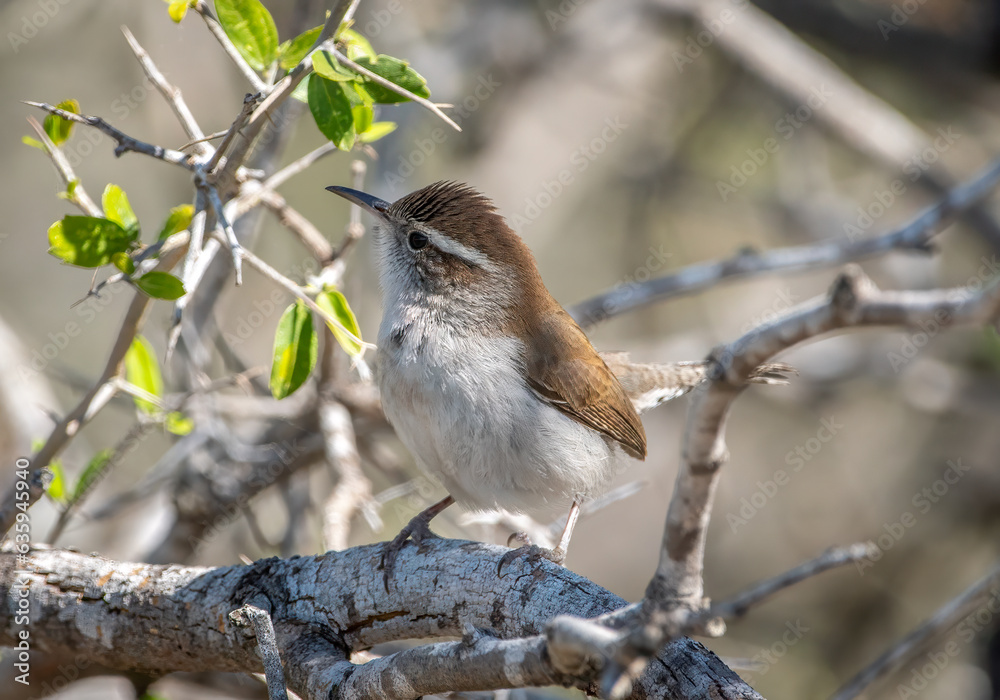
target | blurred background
x=623, y=140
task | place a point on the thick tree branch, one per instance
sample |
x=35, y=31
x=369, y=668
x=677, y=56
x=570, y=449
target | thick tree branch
x=172, y=618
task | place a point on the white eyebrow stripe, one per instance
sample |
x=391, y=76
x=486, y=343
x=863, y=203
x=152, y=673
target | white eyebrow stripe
x=453, y=247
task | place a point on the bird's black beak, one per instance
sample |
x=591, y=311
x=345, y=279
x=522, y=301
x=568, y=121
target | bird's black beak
x=376, y=206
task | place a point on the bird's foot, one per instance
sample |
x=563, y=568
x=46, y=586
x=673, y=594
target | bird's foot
x=529, y=551
x=418, y=529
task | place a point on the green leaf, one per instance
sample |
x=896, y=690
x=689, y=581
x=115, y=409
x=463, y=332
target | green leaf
x=178, y=424
x=377, y=131
x=295, y=348
x=301, y=91
x=291, y=52
x=88, y=241
x=34, y=143
x=363, y=116
x=357, y=45
x=178, y=220
x=326, y=65
x=117, y=208
x=331, y=109
x=56, y=127
x=335, y=304
x=142, y=370
x=57, y=487
x=123, y=262
x=177, y=9
x=161, y=285
x=70, y=189
x=91, y=473
x=395, y=71
x=251, y=28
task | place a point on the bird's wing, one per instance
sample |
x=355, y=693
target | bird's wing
x=573, y=378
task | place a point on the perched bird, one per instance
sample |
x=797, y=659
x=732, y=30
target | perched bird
x=488, y=381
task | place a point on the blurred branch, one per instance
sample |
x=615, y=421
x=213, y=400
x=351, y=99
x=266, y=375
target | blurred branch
x=353, y=491
x=249, y=102
x=94, y=399
x=764, y=46
x=912, y=644
x=912, y=236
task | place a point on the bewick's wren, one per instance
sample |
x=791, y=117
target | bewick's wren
x=487, y=380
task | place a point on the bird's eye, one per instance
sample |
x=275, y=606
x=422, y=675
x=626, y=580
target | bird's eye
x=417, y=240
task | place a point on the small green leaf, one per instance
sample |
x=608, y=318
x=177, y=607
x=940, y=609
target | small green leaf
x=56, y=127
x=357, y=45
x=57, y=487
x=335, y=304
x=178, y=424
x=363, y=116
x=91, y=473
x=70, y=189
x=117, y=208
x=161, y=285
x=88, y=241
x=251, y=28
x=142, y=370
x=301, y=91
x=123, y=262
x=331, y=109
x=377, y=131
x=291, y=52
x=395, y=71
x=178, y=220
x=34, y=143
x=177, y=9
x=295, y=348
x=326, y=65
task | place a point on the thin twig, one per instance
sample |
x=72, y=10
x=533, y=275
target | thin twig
x=281, y=91
x=389, y=85
x=125, y=142
x=170, y=92
x=909, y=646
x=79, y=197
x=235, y=249
x=307, y=233
x=249, y=102
x=912, y=236
x=267, y=645
x=298, y=165
x=220, y=35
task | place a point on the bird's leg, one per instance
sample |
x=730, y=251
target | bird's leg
x=418, y=528
x=534, y=552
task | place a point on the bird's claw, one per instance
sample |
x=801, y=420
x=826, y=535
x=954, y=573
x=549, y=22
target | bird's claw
x=418, y=529
x=531, y=552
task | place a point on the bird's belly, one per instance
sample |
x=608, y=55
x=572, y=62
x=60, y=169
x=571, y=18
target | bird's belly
x=468, y=417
